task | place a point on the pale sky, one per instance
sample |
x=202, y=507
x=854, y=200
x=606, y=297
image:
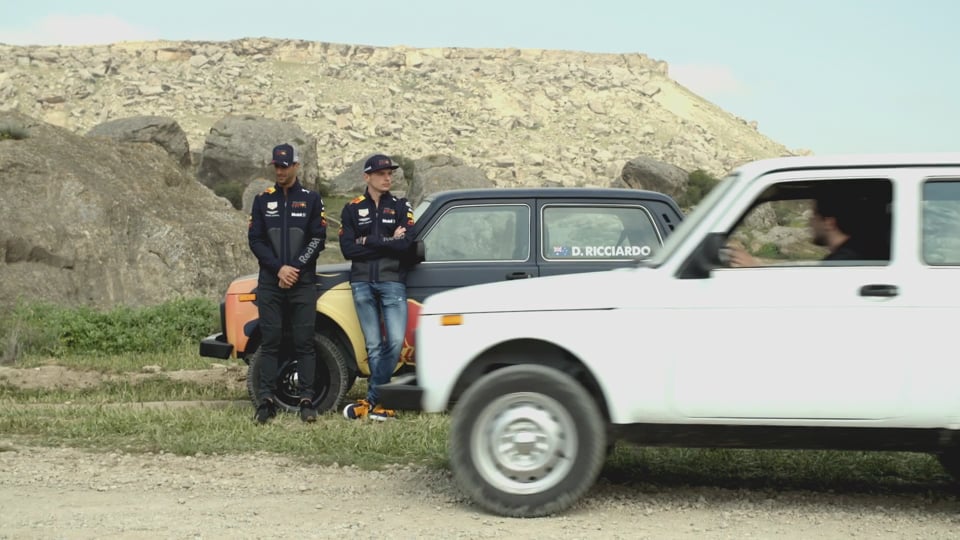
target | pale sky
x=832, y=76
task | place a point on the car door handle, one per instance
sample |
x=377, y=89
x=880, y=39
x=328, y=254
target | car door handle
x=886, y=291
x=518, y=275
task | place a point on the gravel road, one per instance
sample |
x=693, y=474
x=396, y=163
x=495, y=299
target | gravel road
x=69, y=493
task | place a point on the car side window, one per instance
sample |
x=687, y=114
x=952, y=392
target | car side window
x=941, y=222
x=572, y=232
x=493, y=232
x=821, y=222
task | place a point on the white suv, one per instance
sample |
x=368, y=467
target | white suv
x=796, y=351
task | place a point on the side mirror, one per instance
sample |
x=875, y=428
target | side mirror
x=416, y=254
x=714, y=250
x=709, y=254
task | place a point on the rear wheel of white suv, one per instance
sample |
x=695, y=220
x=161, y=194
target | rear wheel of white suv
x=526, y=441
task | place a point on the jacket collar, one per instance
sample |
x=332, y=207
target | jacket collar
x=293, y=188
x=386, y=195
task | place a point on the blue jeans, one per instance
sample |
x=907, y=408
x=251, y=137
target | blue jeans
x=373, y=300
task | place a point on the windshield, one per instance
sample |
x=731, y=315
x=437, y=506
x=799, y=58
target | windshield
x=692, y=221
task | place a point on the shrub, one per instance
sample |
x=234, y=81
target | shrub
x=232, y=191
x=58, y=331
x=409, y=169
x=12, y=132
x=699, y=184
x=769, y=251
x=324, y=187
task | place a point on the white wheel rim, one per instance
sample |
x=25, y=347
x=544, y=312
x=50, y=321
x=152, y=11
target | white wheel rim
x=524, y=443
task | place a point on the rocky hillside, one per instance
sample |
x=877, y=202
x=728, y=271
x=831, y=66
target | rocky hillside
x=522, y=116
x=98, y=212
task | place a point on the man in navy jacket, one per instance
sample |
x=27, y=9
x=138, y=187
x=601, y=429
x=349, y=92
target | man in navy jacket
x=373, y=235
x=288, y=230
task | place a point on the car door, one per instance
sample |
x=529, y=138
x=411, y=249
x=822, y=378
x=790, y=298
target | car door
x=932, y=298
x=588, y=236
x=473, y=242
x=793, y=339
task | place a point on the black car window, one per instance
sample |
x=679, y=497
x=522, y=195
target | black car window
x=821, y=222
x=592, y=232
x=497, y=232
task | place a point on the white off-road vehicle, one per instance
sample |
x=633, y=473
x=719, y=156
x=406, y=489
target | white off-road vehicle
x=799, y=350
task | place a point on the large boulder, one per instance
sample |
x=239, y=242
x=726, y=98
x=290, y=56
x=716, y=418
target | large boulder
x=160, y=130
x=650, y=174
x=440, y=173
x=254, y=188
x=350, y=181
x=97, y=222
x=237, y=150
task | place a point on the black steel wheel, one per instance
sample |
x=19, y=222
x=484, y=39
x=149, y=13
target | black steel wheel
x=331, y=380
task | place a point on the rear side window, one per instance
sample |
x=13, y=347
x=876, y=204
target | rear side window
x=601, y=232
x=494, y=232
x=941, y=222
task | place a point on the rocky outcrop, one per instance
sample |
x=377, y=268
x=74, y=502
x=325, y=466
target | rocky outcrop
x=99, y=222
x=238, y=150
x=522, y=116
x=647, y=173
x=253, y=189
x=436, y=173
x=350, y=181
x=115, y=217
x=163, y=131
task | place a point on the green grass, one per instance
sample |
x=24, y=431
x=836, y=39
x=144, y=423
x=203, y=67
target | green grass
x=421, y=439
x=150, y=389
x=145, y=416
x=817, y=470
x=413, y=439
x=54, y=330
x=333, y=206
x=182, y=356
x=123, y=408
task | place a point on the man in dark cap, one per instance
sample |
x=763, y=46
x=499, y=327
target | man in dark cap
x=373, y=235
x=288, y=230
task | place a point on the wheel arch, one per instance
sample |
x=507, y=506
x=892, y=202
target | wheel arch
x=330, y=328
x=254, y=337
x=530, y=351
x=336, y=311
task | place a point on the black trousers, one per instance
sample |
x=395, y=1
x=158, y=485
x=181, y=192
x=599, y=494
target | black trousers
x=299, y=304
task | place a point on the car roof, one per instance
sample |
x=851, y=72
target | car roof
x=549, y=192
x=850, y=161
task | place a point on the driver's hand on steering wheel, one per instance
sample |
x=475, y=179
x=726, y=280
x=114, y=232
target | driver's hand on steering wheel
x=738, y=257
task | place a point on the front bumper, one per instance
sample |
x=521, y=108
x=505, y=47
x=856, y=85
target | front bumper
x=402, y=394
x=215, y=346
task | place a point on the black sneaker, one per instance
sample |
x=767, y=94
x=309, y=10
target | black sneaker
x=307, y=412
x=265, y=411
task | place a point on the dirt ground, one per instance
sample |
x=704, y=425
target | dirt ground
x=233, y=375
x=69, y=493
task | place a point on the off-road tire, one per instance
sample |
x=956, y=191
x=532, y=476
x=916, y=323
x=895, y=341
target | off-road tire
x=526, y=441
x=330, y=382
